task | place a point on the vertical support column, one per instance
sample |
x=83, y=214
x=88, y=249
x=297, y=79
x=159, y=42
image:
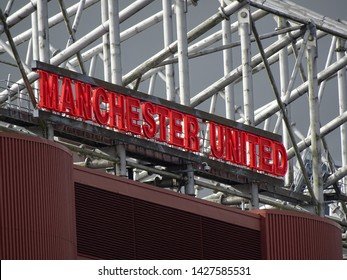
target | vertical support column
x=189, y=187
x=284, y=79
x=92, y=65
x=311, y=52
x=183, y=68
x=105, y=43
x=42, y=45
x=43, y=32
x=168, y=39
x=182, y=51
x=116, y=71
x=121, y=166
x=35, y=45
x=342, y=87
x=247, y=83
x=115, y=49
x=255, y=196
x=29, y=54
x=50, y=131
x=228, y=67
x=152, y=84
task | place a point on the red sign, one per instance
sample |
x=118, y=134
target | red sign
x=152, y=121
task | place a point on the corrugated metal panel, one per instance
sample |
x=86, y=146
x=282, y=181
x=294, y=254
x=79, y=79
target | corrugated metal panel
x=115, y=226
x=36, y=199
x=291, y=235
x=227, y=241
x=167, y=198
x=100, y=219
x=166, y=233
x=121, y=219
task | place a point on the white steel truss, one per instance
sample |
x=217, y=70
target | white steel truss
x=270, y=64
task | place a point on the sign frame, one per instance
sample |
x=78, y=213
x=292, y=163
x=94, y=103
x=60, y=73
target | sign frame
x=243, y=172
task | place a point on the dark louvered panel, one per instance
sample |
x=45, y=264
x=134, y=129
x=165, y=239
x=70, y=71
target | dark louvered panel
x=115, y=226
x=166, y=233
x=105, y=227
x=227, y=241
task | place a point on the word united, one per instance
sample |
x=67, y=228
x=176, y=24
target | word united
x=152, y=121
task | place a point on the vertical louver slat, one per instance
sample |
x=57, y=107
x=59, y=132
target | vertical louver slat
x=293, y=235
x=104, y=224
x=223, y=240
x=36, y=198
x=166, y=233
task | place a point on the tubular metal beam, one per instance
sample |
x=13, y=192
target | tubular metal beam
x=327, y=63
x=125, y=35
x=172, y=49
x=247, y=81
x=115, y=48
x=204, y=43
x=284, y=77
x=228, y=66
x=338, y=175
x=78, y=45
x=8, y=8
x=52, y=21
x=324, y=131
x=301, y=14
x=314, y=120
x=18, y=60
x=43, y=31
x=214, y=44
x=283, y=111
x=237, y=72
x=272, y=107
x=342, y=90
x=22, y=13
x=72, y=31
x=168, y=39
x=105, y=43
x=182, y=51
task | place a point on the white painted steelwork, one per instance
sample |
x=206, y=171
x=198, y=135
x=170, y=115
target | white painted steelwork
x=191, y=49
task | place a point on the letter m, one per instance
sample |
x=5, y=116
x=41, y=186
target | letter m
x=49, y=90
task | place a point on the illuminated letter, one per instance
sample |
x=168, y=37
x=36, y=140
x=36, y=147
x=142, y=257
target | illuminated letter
x=149, y=126
x=49, y=89
x=176, y=129
x=265, y=155
x=117, y=111
x=252, y=141
x=67, y=101
x=162, y=113
x=133, y=116
x=217, y=152
x=191, y=130
x=234, y=146
x=83, y=100
x=99, y=97
x=280, y=159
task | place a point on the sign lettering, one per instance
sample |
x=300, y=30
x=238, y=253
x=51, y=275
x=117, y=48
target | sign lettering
x=147, y=120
